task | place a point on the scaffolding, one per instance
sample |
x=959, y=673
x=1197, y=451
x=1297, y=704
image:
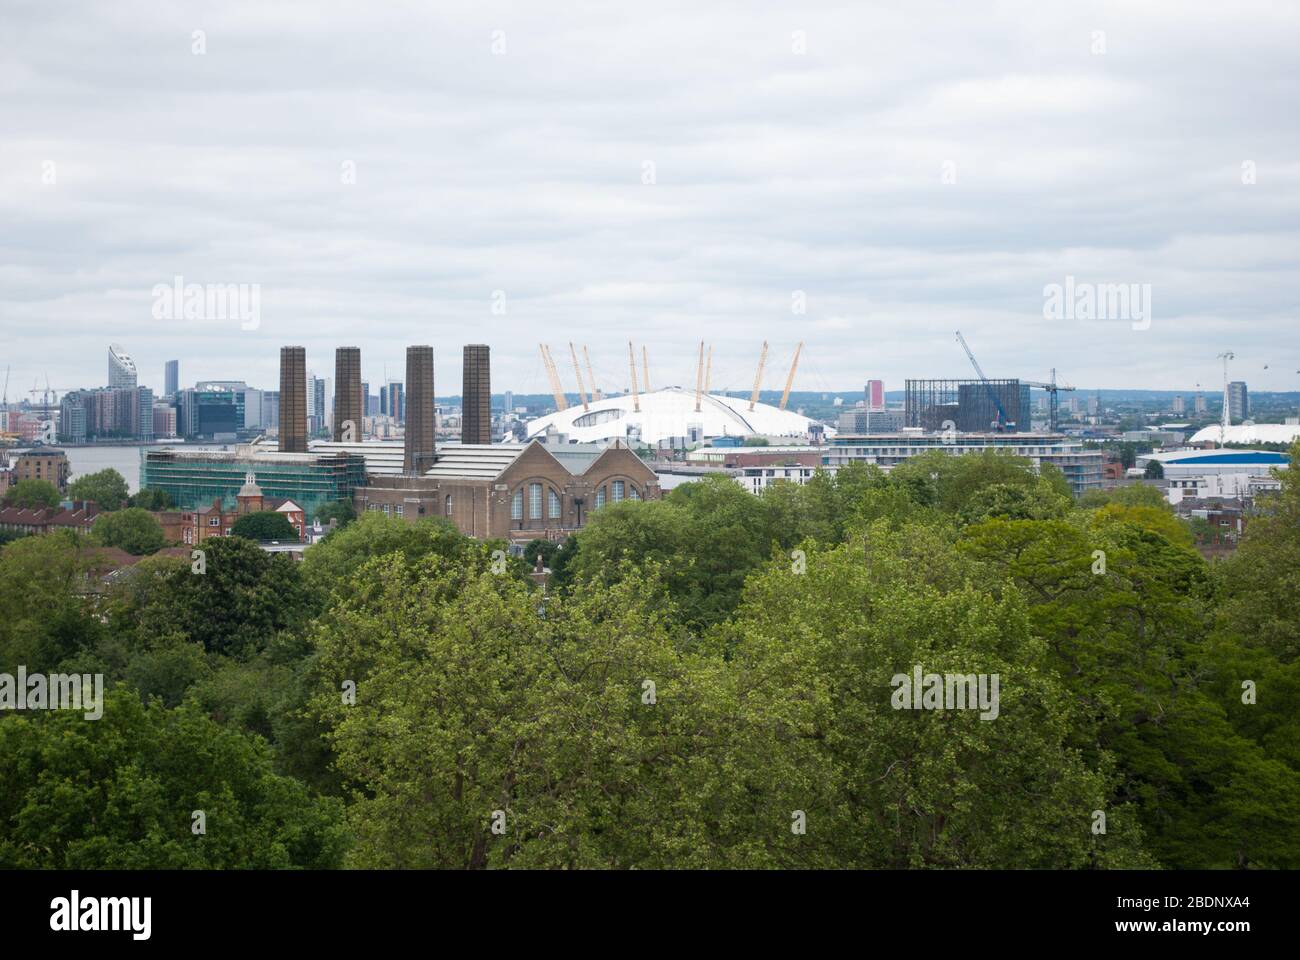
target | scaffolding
x=968, y=406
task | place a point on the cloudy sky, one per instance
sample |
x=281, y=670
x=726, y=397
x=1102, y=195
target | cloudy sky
x=390, y=172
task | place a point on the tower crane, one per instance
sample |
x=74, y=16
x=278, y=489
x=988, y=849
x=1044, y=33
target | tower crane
x=1052, y=404
x=1001, y=423
x=789, y=381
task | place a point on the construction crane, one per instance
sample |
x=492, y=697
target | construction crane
x=1052, y=403
x=557, y=389
x=708, y=371
x=1002, y=423
x=645, y=365
x=595, y=390
x=631, y=362
x=5, y=402
x=758, y=377
x=582, y=391
x=789, y=381
x=699, y=378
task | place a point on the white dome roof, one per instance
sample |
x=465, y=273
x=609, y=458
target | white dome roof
x=1249, y=433
x=671, y=413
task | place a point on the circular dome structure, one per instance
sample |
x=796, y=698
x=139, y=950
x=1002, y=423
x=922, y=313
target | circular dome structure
x=670, y=413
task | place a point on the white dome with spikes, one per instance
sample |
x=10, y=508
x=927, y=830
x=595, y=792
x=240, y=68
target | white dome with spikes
x=670, y=413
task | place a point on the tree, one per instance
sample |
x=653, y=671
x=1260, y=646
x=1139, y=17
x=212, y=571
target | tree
x=822, y=652
x=340, y=510
x=546, y=549
x=264, y=525
x=106, y=488
x=1154, y=471
x=133, y=529
x=151, y=500
x=121, y=793
x=32, y=495
x=242, y=598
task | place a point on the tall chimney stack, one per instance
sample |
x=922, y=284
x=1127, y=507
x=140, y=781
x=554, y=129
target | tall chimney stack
x=293, y=399
x=348, y=403
x=419, y=449
x=476, y=395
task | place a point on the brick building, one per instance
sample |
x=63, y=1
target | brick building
x=506, y=490
x=215, y=521
x=79, y=519
x=49, y=465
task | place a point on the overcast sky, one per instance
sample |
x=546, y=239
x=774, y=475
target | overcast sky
x=795, y=147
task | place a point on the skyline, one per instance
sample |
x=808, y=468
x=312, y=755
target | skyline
x=491, y=150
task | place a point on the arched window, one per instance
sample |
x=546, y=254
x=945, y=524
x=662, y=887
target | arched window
x=600, y=497
x=553, y=504
x=631, y=492
x=617, y=493
x=534, y=501
x=517, y=505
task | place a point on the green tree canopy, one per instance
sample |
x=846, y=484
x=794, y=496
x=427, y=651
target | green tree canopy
x=132, y=529
x=121, y=792
x=264, y=525
x=107, y=488
x=151, y=500
x=32, y=495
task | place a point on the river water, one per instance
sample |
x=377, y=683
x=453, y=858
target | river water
x=124, y=459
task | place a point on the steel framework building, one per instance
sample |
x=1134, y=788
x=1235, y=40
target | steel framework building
x=967, y=406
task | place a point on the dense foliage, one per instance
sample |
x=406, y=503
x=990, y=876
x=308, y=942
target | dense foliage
x=710, y=681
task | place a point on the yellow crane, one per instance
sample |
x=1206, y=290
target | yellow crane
x=789, y=381
x=758, y=377
x=631, y=362
x=595, y=390
x=557, y=389
x=582, y=391
x=645, y=365
x=699, y=378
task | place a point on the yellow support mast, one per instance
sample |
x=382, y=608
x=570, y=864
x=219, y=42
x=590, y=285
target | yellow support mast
x=582, y=391
x=789, y=381
x=595, y=390
x=631, y=362
x=758, y=377
x=699, y=378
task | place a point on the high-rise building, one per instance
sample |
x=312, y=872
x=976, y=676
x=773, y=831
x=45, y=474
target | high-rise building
x=293, y=399
x=476, y=395
x=875, y=395
x=418, y=448
x=392, y=401
x=121, y=369
x=1180, y=406
x=349, y=398
x=1238, y=400
x=509, y=401
x=1199, y=403
x=171, y=378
